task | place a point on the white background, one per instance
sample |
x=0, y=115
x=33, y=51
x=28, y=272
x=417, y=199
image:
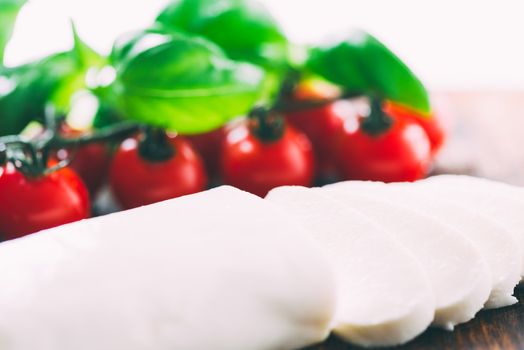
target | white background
x=451, y=44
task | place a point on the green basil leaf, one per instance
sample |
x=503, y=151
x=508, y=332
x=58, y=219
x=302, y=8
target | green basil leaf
x=362, y=64
x=244, y=29
x=26, y=90
x=105, y=116
x=86, y=57
x=181, y=83
x=134, y=41
x=8, y=12
x=82, y=58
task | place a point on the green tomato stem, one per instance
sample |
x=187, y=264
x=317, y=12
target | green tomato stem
x=31, y=156
x=114, y=132
x=155, y=146
x=267, y=126
x=377, y=122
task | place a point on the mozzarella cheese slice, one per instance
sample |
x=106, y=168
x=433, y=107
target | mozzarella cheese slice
x=516, y=192
x=221, y=269
x=458, y=274
x=384, y=295
x=496, y=202
x=498, y=247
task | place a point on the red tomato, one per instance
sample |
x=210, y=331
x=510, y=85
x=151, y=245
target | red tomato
x=136, y=181
x=29, y=205
x=432, y=125
x=258, y=166
x=401, y=153
x=90, y=161
x=208, y=146
x=320, y=124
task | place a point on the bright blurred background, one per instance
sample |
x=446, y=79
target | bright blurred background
x=452, y=45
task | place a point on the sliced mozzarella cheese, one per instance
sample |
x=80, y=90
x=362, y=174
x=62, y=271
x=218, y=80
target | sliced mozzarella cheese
x=516, y=192
x=498, y=247
x=459, y=275
x=486, y=198
x=218, y=270
x=384, y=295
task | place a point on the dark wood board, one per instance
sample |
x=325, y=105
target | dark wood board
x=500, y=329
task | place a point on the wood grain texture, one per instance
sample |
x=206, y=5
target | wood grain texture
x=500, y=329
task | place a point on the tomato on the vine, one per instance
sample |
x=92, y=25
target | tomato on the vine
x=30, y=204
x=320, y=124
x=138, y=180
x=91, y=162
x=257, y=163
x=399, y=151
x=432, y=125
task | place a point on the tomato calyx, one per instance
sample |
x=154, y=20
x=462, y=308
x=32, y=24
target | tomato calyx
x=377, y=122
x=31, y=160
x=267, y=126
x=155, y=145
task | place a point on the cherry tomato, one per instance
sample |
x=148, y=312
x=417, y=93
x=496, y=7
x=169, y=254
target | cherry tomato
x=136, y=181
x=90, y=161
x=29, y=205
x=258, y=166
x=320, y=124
x=208, y=146
x=433, y=125
x=401, y=153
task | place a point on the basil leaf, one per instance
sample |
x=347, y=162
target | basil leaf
x=182, y=83
x=85, y=56
x=362, y=64
x=244, y=29
x=8, y=12
x=136, y=41
x=82, y=58
x=105, y=116
x=26, y=90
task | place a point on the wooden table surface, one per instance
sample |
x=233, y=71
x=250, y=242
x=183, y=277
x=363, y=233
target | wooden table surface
x=487, y=140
